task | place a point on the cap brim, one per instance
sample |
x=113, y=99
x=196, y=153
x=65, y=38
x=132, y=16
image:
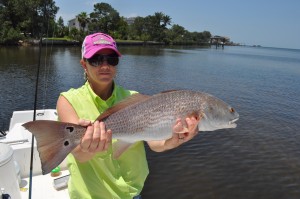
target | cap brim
x=92, y=52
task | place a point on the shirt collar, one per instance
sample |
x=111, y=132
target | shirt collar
x=100, y=102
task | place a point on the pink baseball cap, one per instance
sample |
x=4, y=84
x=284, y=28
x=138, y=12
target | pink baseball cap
x=98, y=41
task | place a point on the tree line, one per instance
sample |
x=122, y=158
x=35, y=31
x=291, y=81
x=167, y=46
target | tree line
x=21, y=20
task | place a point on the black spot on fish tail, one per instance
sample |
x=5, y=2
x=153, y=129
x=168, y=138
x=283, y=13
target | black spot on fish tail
x=70, y=128
x=66, y=143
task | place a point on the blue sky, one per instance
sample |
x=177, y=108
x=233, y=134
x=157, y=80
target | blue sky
x=270, y=23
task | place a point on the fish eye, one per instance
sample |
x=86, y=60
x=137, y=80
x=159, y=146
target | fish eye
x=231, y=110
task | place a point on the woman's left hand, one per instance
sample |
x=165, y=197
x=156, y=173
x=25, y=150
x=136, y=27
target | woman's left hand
x=183, y=132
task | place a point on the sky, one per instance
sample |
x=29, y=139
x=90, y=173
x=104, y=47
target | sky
x=269, y=23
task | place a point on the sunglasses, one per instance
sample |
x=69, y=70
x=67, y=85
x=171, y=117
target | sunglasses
x=98, y=60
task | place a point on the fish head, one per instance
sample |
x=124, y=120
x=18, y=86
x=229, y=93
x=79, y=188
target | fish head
x=216, y=114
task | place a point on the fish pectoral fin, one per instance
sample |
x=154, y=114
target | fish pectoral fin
x=119, y=147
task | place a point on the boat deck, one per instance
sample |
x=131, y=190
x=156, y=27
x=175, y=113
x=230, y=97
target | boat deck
x=19, y=139
x=43, y=187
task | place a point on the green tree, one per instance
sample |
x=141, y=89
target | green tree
x=200, y=37
x=30, y=16
x=155, y=26
x=40, y=15
x=74, y=33
x=83, y=20
x=206, y=36
x=138, y=28
x=60, y=27
x=165, y=20
x=104, y=18
x=122, y=31
x=9, y=35
x=176, y=34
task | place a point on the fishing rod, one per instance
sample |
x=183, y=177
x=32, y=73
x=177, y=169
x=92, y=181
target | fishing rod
x=34, y=117
x=35, y=100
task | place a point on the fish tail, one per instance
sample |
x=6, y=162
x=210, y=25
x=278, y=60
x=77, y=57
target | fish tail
x=54, y=142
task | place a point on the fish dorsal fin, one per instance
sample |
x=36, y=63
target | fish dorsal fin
x=133, y=99
x=169, y=91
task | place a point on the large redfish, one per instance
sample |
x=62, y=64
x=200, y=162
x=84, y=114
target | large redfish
x=139, y=117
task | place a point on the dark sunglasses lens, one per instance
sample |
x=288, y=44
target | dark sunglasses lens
x=113, y=61
x=98, y=60
x=94, y=62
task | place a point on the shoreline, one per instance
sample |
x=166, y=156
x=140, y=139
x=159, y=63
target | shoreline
x=65, y=42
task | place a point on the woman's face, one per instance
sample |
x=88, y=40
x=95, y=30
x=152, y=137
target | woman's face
x=101, y=69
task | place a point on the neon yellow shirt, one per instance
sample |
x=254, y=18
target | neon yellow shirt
x=104, y=176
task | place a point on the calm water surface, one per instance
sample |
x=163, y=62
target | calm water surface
x=258, y=159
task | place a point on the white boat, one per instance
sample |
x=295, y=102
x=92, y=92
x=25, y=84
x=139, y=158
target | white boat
x=15, y=156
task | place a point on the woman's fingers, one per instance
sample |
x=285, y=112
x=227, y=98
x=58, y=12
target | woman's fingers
x=186, y=129
x=102, y=140
x=87, y=139
x=96, y=138
x=179, y=127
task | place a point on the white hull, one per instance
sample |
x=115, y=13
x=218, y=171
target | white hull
x=20, y=141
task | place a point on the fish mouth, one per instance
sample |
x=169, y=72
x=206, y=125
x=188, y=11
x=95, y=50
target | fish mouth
x=232, y=122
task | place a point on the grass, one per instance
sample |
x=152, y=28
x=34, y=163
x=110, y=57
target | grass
x=60, y=38
x=132, y=41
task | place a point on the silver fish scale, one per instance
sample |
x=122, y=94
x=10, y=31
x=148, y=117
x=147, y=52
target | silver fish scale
x=156, y=120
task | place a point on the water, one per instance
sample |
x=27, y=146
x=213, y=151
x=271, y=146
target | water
x=258, y=159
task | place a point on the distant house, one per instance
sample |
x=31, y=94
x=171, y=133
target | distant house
x=129, y=20
x=74, y=23
x=219, y=39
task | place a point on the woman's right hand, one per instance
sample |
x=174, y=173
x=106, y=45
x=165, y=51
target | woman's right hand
x=96, y=139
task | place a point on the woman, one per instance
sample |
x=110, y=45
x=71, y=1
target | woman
x=94, y=173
